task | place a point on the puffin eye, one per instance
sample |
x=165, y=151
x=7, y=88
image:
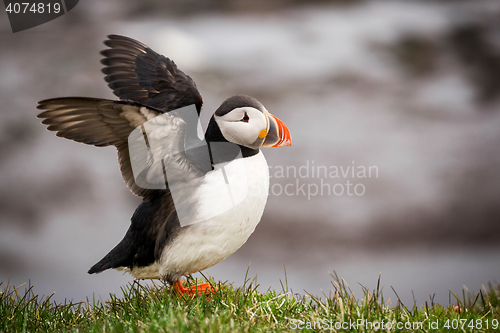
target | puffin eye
x=245, y=118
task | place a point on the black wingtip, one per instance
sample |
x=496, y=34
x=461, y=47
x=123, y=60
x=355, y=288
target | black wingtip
x=114, y=36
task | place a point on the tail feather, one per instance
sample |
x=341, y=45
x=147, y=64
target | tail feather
x=120, y=256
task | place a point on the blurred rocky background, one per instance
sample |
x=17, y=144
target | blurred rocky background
x=411, y=88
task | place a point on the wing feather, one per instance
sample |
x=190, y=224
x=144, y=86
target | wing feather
x=101, y=123
x=134, y=71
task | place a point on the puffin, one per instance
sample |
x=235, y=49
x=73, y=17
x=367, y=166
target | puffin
x=203, y=195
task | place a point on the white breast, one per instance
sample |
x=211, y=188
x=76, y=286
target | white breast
x=227, y=214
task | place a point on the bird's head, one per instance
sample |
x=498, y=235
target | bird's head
x=245, y=121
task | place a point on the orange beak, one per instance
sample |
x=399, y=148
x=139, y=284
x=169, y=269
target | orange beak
x=278, y=134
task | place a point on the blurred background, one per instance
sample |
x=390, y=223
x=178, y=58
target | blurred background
x=409, y=89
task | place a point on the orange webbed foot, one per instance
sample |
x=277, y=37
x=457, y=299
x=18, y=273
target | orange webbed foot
x=203, y=288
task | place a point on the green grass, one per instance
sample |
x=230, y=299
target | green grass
x=155, y=308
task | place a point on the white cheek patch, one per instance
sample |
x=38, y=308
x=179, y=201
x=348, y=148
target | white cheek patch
x=241, y=132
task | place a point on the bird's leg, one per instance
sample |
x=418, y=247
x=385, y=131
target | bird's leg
x=179, y=288
x=203, y=288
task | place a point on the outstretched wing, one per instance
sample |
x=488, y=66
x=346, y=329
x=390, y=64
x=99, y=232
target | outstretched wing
x=101, y=122
x=134, y=71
